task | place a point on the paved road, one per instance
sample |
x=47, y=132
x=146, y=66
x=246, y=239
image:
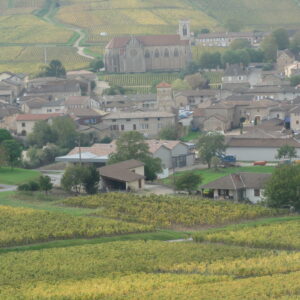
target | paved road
x=7, y=188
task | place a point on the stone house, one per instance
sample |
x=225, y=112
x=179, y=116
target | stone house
x=239, y=187
x=80, y=102
x=40, y=105
x=139, y=54
x=26, y=122
x=235, y=77
x=148, y=123
x=295, y=119
x=284, y=59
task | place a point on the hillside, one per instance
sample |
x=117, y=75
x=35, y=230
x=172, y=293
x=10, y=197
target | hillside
x=30, y=28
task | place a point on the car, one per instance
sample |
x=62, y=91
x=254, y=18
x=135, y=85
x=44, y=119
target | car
x=260, y=163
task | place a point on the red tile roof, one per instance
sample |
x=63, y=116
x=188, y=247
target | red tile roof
x=148, y=40
x=37, y=117
x=163, y=85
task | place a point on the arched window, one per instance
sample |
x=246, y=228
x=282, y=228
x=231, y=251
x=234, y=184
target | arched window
x=167, y=53
x=147, y=54
x=176, y=52
x=156, y=54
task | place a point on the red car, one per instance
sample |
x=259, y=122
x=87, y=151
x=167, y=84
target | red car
x=259, y=163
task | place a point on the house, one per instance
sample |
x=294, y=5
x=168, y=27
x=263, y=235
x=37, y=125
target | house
x=224, y=39
x=165, y=98
x=292, y=69
x=239, y=187
x=39, y=105
x=199, y=117
x=82, y=74
x=79, y=102
x=295, y=119
x=26, y=122
x=258, y=149
x=235, y=76
x=139, y=54
x=284, y=58
x=149, y=123
x=86, y=116
x=128, y=175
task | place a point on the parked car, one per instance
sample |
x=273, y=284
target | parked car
x=259, y=163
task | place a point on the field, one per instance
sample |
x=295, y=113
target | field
x=21, y=226
x=169, y=211
x=29, y=58
x=280, y=236
x=209, y=175
x=16, y=176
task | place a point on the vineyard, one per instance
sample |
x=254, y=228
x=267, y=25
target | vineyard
x=152, y=270
x=139, y=83
x=21, y=226
x=280, y=236
x=168, y=211
x=30, y=59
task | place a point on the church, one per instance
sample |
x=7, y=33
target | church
x=139, y=54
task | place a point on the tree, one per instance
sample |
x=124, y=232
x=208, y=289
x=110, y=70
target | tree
x=132, y=145
x=240, y=44
x=170, y=133
x=45, y=184
x=230, y=57
x=13, y=150
x=96, y=65
x=197, y=81
x=295, y=80
x=54, y=69
x=295, y=43
x=180, y=85
x=211, y=145
x=256, y=55
x=233, y=25
x=41, y=134
x=281, y=37
x=72, y=179
x=215, y=161
x=210, y=60
x=115, y=90
x=3, y=156
x=269, y=47
x=283, y=189
x=90, y=179
x=189, y=182
x=286, y=151
x=4, y=135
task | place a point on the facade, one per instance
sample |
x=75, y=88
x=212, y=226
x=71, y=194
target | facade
x=165, y=99
x=128, y=175
x=79, y=102
x=235, y=76
x=258, y=149
x=148, y=123
x=239, y=187
x=139, y=54
x=43, y=106
x=295, y=119
x=284, y=59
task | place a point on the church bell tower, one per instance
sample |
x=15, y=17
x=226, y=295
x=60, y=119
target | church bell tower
x=185, y=29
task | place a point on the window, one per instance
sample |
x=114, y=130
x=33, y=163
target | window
x=49, y=110
x=256, y=192
x=297, y=122
x=144, y=126
x=146, y=119
x=114, y=120
x=134, y=126
x=122, y=127
x=147, y=54
x=167, y=53
x=176, y=52
x=156, y=54
x=128, y=120
x=114, y=127
x=158, y=119
x=23, y=124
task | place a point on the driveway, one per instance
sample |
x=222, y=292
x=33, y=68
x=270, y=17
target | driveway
x=157, y=189
x=7, y=188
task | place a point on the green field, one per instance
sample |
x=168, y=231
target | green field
x=209, y=175
x=17, y=176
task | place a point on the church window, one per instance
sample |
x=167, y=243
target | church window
x=176, y=52
x=147, y=54
x=167, y=53
x=184, y=30
x=156, y=53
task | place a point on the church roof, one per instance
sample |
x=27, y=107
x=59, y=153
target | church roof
x=148, y=40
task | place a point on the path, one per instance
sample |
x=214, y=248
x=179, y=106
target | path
x=7, y=188
x=48, y=17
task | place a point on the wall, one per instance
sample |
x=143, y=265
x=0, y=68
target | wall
x=134, y=186
x=165, y=155
x=249, y=194
x=295, y=121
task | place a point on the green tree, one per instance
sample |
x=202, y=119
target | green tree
x=96, y=65
x=256, y=55
x=286, y=151
x=132, y=145
x=240, y=44
x=4, y=135
x=42, y=134
x=180, y=85
x=230, y=57
x=64, y=129
x=283, y=189
x=54, y=69
x=282, y=38
x=295, y=80
x=295, y=43
x=171, y=133
x=13, y=150
x=269, y=47
x=90, y=179
x=210, y=60
x=197, y=81
x=115, y=90
x=215, y=161
x=45, y=184
x=189, y=182
x=211, y=145
x=72, y=178
x=3, y=156
x=233, y=25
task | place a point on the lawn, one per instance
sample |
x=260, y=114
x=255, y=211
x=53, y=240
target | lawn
x=209, y=175
x=191, y=136
x=17, y=176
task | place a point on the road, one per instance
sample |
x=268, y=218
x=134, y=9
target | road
x=7, y=188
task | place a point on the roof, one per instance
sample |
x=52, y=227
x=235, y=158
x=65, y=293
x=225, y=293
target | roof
x=37, y=117
x=80, y=72
x=77, y=100
x=36, y=102
x=163, y=85
x=235, y=70
x=147, y=40
x=202, y=92
x=154, y=145
x=227, y=35
x=217, y=116
x=295, y=110
x=262, y=142
x=287, y=52
x=121, y=171
x=239, y=181
x=199, y=112
x=138, y=115
x=85, y=112
x=240, y=98
x=58, y=86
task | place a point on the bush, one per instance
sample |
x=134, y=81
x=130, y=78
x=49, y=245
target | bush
x=31, y=186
